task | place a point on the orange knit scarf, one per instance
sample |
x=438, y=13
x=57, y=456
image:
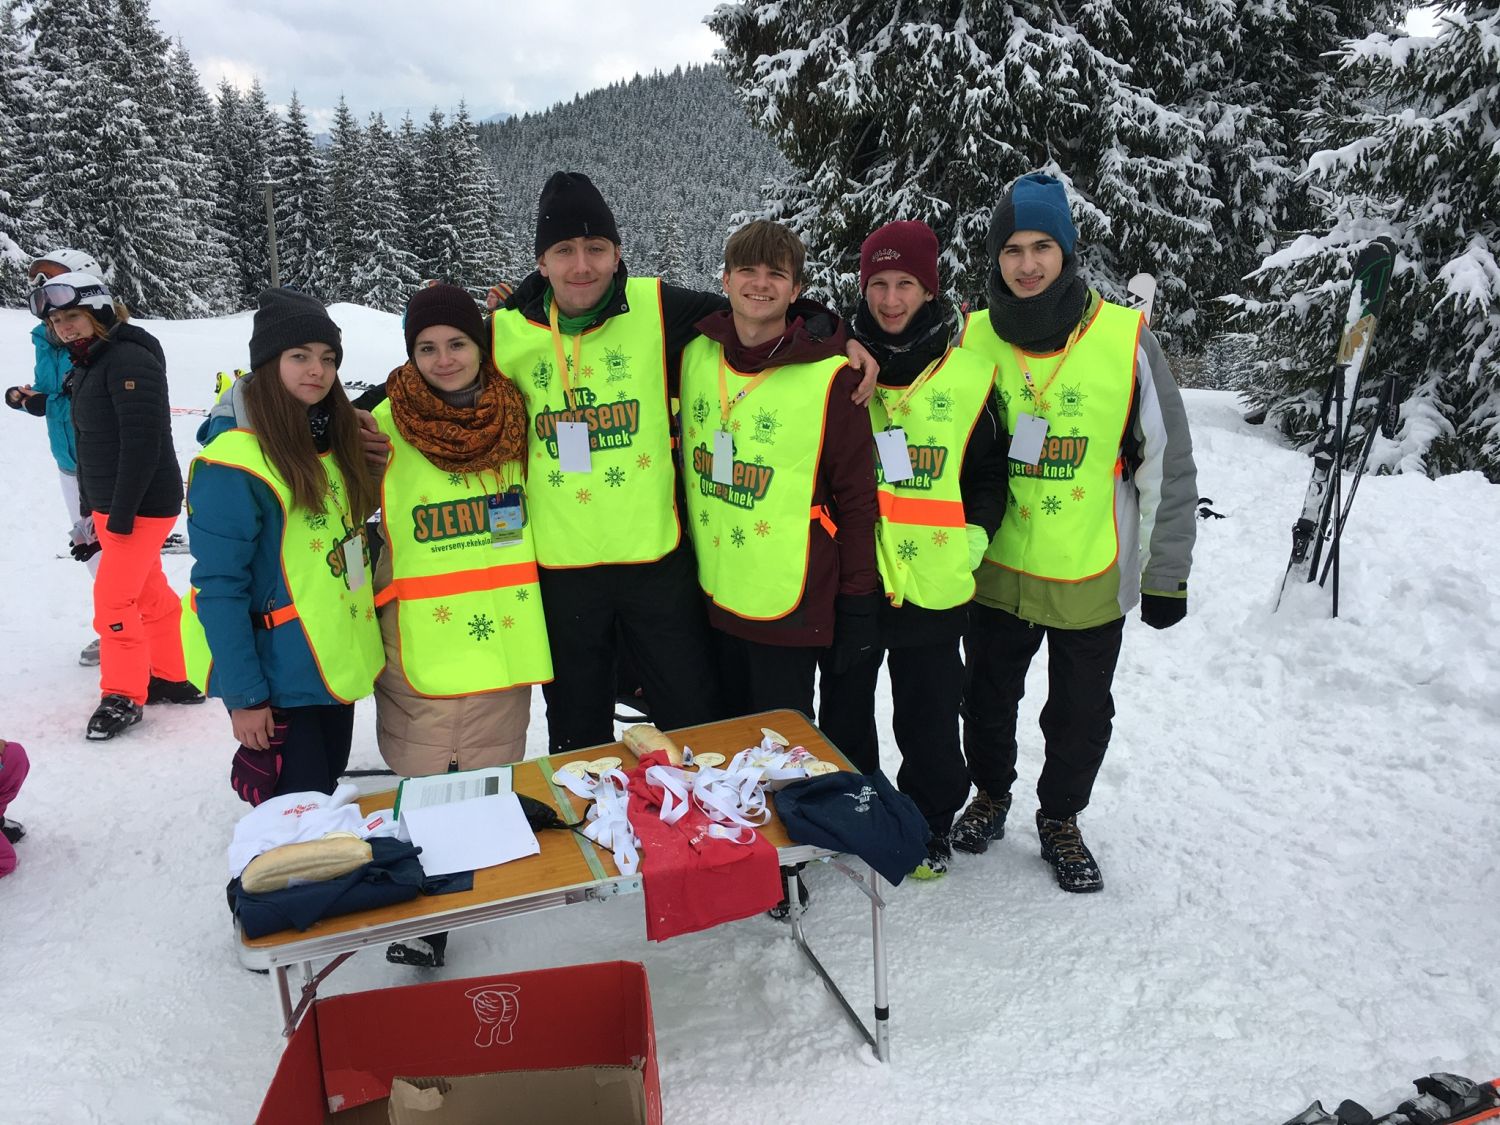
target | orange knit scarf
x=461, y=439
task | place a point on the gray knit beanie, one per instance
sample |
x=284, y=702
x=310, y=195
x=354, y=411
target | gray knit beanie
x=286, y=318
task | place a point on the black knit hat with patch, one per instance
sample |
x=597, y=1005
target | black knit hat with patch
x=571, y=207
x=285, y=318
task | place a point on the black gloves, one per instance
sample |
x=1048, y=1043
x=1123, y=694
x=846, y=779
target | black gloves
x=1161, y=611
x=33, y=402
x=856, y=629
x=84, y=551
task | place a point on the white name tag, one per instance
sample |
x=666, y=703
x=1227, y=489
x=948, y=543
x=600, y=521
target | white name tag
x=895, y=455
x=573, y=447
x=354, y=562
x=1026, y=442
x=723, y=457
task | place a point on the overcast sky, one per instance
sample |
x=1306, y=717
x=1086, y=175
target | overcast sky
x=390, y=56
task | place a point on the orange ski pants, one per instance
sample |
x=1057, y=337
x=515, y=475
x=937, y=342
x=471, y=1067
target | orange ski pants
x=136, y=614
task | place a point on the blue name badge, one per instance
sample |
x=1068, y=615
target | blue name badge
x=507, y=518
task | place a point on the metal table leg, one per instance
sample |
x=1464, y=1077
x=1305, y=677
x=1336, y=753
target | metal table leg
x=879, y=1040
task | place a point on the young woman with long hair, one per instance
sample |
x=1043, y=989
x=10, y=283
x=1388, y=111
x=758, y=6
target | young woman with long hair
x=129, y=483
x=276, y=507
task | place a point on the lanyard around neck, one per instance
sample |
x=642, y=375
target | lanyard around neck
x=916, y=385
x=557, y=348
x=726, y=404
x=1039, y=402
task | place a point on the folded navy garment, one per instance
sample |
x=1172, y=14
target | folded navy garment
x=862, y=814
x=393, y=875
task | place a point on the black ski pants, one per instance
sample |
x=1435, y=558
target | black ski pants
x=1076, y=720
x=926, y=690
x=315, y=750
x=659, y=614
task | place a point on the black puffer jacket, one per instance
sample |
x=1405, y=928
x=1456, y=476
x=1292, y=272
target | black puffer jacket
x=127, y=466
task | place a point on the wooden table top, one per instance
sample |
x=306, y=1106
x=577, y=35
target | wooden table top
x=567, y=860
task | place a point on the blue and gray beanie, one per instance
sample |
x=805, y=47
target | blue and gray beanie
x=1036, y=201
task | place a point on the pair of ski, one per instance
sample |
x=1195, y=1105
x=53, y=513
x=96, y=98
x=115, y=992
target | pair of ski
x=1442, y=1099
x=1325, y=510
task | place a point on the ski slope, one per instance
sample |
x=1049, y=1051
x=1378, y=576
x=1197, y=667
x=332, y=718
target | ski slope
x=1296, y=825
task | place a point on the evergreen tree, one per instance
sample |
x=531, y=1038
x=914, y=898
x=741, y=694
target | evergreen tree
x=1415, y=160
x=207, y=269
x=409, y=186
x=440, y=251
x=385, y=271
x=345, y=154
x=297, y=170
x=241, y=163
x=17, y=234
x=469, y=189
x=671, y=258
x=71, y=99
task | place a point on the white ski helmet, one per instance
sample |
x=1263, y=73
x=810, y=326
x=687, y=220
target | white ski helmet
x=72, y=290
x=72, y=261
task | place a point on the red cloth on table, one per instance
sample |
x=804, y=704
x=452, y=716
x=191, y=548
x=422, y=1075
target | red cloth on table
x=692, y=880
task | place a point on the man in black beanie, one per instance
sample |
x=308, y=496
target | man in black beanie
x=1100, y=512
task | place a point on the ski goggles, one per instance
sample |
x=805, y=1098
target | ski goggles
x=57, y=295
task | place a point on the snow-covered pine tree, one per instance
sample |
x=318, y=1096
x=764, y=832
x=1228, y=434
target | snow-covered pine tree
x=1415, y=160
x=469, y=212
x=297, y=170
x=69, y=101
x=440, y=251
x=345, y=153
x=901, y=113
x=1253, y=73
x=385, y=271
x=241, y=145
x=1140, y=159
x=142, y=220
x=671, y=259
x=16, y=228
x=410, y=187
x=207, y=268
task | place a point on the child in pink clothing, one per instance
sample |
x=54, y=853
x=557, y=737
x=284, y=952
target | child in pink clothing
x=13, y=769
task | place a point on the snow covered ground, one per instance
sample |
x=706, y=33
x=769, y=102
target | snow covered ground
x=1296, y=823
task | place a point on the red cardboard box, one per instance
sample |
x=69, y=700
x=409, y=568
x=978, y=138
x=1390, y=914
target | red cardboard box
x=584, y=1027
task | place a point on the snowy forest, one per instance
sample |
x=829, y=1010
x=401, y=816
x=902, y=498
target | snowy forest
x=1242, y=153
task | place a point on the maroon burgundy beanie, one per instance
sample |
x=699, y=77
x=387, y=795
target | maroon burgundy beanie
x=907, y=246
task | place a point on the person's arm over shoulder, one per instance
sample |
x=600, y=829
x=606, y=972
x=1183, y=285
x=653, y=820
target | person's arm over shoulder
x=138, y=389
x=682, y=309
x=848, y=470
x=985, y=474
x=224, y=526
x=1166, y=477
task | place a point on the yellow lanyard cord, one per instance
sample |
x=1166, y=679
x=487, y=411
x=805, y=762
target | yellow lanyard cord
x=726, y=405
x=916, y=385
x=1039, y=402
x=557, y=348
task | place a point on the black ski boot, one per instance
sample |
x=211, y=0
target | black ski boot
x=420, y=953
x=12, y=830
x=172, y=691
x=980, y=823
x=782, y=911
x=939, y=855
x=1071, y=860
x=114, y=714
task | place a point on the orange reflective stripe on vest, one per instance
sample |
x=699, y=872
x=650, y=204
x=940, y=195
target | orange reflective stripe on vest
x=459, y=582
x=264, y=620
x=820, y=513
x=924, y=513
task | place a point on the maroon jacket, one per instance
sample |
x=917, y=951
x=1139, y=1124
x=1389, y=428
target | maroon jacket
x=845, y=482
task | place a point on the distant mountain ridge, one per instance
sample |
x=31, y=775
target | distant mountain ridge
x=673, y=154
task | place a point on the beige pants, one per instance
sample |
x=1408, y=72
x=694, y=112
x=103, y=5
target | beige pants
x=418, y=735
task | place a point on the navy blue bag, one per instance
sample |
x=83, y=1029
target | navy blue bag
x=393, y=875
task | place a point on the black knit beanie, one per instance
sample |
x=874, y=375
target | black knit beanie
x=571, y=207
x=447, y=305
x=286, y=318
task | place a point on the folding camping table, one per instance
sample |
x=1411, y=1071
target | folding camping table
x=569, y=869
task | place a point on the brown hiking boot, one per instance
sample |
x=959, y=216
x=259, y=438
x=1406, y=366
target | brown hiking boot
x=981, y=822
